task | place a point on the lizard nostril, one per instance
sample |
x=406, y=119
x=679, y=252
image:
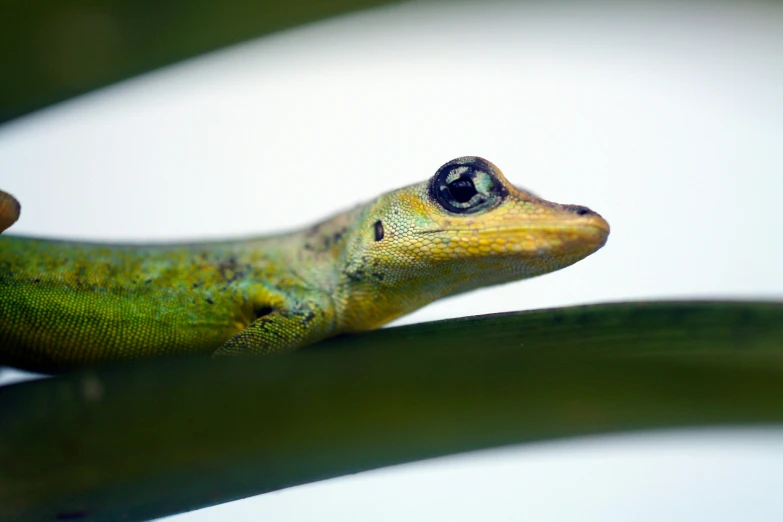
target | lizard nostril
x=580, y=210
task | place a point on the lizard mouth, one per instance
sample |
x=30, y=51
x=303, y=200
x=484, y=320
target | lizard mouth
x=588, y=224
x=556, y=239
x=514, y=229
x=590, y=229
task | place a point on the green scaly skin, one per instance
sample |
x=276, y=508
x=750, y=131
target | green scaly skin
x=66, y=304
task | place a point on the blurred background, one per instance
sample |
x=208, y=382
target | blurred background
x=666, y=118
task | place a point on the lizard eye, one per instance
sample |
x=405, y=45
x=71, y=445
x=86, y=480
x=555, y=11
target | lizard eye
x=466, y=185
x=462, y=190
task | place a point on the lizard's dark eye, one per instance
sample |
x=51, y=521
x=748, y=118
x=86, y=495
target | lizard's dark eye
x=462, y=190
x=466, y=185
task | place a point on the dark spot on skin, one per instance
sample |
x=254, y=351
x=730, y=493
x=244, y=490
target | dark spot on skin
x=337, y=236
x=230, y=270
x=308, y=246
x=304, y=313
x=262, y=311
x=314, y=230
x=37, y=280
x=355, y=275
x=230, y=263
x=210, y=301
x=378, y=276
x=579, y=210
x=378, y=230
x=72, y=515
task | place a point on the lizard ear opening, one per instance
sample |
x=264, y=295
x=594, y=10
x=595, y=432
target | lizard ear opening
x=379, y=232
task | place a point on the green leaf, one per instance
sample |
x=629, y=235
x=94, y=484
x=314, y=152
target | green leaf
x=153, y=439
x=63, y=48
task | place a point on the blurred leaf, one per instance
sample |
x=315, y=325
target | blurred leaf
x=57, y=49
x=147, y=440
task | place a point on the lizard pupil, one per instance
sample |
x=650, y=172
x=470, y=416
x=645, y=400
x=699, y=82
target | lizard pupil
x=462, y=190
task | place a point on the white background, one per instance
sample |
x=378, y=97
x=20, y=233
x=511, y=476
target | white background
x=665, y=118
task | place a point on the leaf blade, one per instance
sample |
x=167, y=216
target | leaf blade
x=153, y=439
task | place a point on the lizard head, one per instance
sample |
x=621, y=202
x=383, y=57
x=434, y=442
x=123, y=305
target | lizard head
x=465, y=228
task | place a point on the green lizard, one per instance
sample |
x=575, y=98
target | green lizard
x=66, y=304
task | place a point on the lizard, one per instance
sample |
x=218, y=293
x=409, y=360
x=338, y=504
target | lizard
x=68, y=304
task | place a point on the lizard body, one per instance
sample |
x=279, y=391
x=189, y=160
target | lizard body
x=65, y=304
